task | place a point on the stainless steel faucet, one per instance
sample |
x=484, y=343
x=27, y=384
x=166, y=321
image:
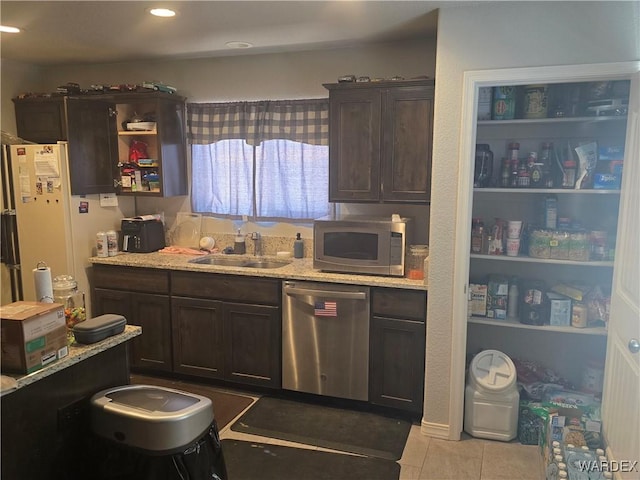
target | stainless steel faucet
x=257, y=243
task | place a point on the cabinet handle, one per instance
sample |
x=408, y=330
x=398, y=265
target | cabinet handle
x=325, y=293
x=117, y=183
x=634, y=345
x=113, y=112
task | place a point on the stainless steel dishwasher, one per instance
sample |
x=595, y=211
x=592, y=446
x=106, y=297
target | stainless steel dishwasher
x=325, y=339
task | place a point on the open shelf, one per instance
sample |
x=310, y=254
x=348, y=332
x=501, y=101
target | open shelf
x=129, y=133
x=549, y=261
x=549, y=191
x=601, y=331
x=537, y=121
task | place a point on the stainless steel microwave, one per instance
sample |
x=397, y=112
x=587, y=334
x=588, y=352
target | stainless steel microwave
x=361, y=244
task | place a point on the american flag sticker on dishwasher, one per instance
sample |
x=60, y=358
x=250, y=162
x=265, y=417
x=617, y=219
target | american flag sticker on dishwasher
x=325, y=309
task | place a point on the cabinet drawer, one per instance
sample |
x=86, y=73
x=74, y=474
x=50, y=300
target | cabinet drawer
x=131, y=279
x=399, y=303
x=226, y=287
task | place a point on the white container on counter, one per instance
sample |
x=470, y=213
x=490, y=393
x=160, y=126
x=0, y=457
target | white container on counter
x=112, y=243
x=102, y=245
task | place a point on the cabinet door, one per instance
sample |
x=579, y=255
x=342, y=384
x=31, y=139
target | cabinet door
x=406, y=144
x=198, y=343
x=152, y=349
x=397, y=353
x=354, y=145
x=40, y=120
x=172, y=145
x=93, y=145
x=252, y=344
x=112, y=301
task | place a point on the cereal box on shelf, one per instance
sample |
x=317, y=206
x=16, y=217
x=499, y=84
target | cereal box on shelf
x=477, y=300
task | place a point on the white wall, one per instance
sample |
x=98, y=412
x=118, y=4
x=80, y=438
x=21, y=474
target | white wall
x=246, y=77
x=16, y=77
x=261, y=77
x=492, y=36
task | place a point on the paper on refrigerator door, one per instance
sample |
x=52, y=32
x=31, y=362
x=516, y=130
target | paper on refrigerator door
x=25, y=188
x=46, y=164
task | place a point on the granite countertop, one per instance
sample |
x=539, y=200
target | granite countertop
x=298, y=269
x=77, y=353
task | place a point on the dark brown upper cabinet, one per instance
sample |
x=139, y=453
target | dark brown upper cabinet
x=380, y=141
x=99, y=142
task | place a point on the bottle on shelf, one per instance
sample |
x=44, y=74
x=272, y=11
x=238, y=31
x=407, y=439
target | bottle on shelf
x=546, y=159
x=513, y=151
x=505, y=173
x=524, y=178
x=483, y=171
x=550, y=212
x=478, y=236
x=532, y=159
x=513, y=299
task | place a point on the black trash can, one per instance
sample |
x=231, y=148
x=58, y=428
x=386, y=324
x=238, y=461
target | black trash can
x=146, y=432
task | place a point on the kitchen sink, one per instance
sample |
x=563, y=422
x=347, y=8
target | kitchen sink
x=240, y=262
x=223, y=261
x=267, y=264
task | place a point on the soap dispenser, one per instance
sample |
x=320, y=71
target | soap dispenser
x=298, y=247
x=239, y=246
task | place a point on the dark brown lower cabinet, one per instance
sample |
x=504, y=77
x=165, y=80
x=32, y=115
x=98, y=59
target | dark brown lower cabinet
x=253, y=341
x=198, y=338
x=124, y=291
x=228, y=327
x=230, y=341
x=397, y=349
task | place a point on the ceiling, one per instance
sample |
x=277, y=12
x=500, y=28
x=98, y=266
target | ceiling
x=66, y=32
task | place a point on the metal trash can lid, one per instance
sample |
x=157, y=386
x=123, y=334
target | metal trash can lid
x=158, y=400
x=155, y=419
x=492, y=370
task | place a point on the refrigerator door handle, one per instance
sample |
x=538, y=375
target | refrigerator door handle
x=8, y=244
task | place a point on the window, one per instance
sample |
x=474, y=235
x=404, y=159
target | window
x=266, y=160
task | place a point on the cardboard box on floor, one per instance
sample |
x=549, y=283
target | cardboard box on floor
x=33, y=335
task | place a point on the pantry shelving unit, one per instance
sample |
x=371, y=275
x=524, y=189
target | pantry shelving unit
x=562, y=348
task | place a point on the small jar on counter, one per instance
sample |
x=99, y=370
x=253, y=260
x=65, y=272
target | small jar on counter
x=65, y=291
x=426, y=270
x=415, y=261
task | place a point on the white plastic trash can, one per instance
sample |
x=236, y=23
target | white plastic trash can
x=491, y=399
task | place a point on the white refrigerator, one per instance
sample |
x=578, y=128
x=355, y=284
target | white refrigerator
x=43, y=222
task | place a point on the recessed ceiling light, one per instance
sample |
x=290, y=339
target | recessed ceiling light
x=162, y=12
x=8, y=29
x=239, y=44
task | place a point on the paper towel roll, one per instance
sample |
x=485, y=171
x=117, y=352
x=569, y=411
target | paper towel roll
x=44, y=286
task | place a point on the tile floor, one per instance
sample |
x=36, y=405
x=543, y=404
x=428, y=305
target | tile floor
x=427, y=458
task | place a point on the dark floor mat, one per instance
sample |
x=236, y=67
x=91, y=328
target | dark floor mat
x=251, y=460
x=336, y=428
x=226, y=406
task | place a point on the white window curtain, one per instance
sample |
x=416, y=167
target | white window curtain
x=266, y=160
